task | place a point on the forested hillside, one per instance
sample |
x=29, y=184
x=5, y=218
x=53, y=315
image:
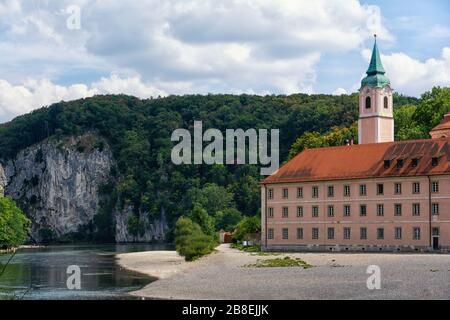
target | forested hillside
x=138, y=132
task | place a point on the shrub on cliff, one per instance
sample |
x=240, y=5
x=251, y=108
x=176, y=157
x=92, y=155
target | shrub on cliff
x=191, y=242
x=13, y=224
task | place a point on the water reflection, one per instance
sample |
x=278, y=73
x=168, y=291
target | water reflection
x=41, y=273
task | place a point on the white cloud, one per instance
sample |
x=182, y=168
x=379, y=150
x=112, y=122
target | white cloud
x=183, y=46
x=19, y=99
x=339, y=91
x=413, y=77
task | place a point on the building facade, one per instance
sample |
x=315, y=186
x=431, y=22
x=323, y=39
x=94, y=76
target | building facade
x=380, y=195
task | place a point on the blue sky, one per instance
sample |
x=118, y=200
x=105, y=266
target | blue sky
x=151, y=47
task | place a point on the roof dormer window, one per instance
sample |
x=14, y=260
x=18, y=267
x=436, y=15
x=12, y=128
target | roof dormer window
x=434, y=161
x=387, y=163
x=414, y=162
x=399, y=163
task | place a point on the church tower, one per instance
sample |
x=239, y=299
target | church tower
x=376, y=120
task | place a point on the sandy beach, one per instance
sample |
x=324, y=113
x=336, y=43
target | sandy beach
x=224, y=275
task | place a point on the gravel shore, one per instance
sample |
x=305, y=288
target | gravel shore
x=223, y=275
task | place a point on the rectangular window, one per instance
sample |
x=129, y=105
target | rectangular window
x=285, y=233
x=435, y=209
x=416, y=209
x=363, y=233
x=435, y=187
x=380, y=189
x=270, y=193
x=300, y=192
x=299, y=211
x=414, y=162
x=416, y=233
x=347, y=233
x=315, y=211
x=285, y=193
x=330, y=233
x=315, y=233
x=399, y=163
x=299, y=233
x=346, y=191
x=330, y=191
x=363, y=210
x=362, y=190
x=380, y=210
x=315, y=192
x=397, y=209
x=331, y=211
x=346, y=210
x=398, y=233
x=416, y=187
x=270, y=212
x=270, y=234
x=398, y=188
x=435, y=232
x=285, y=212
x=380, y=233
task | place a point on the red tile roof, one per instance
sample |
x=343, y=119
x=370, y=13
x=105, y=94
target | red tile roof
x=444, y=125
x=366, y=161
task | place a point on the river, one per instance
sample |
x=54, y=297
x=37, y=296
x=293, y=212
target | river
x=41, y=273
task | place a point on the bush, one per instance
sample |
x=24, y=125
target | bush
x=247, y=225
x=13, y=224
x=191, y=242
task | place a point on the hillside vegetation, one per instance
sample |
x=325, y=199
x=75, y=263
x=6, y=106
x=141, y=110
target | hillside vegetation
x=139, y=132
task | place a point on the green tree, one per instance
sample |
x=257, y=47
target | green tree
x=190, y=241
x=246, y=226
x=206, y=222
x=336, y=137
x=432, y=107
x=405, y=127
x=13, y=224
x=228, y=219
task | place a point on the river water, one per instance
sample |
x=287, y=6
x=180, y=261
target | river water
x=42, y=273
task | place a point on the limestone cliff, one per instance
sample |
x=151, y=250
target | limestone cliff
x=2, y=180
x=57, y=184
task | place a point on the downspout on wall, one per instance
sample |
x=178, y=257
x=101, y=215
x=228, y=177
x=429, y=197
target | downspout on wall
x=429, y=212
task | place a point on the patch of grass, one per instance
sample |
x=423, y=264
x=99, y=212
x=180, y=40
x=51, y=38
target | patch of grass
x=265, y=254
x=285, y=262
x=240, y=246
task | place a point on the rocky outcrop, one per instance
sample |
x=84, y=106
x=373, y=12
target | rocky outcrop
x=57, y=184
x=2, y=180
x=149, y=229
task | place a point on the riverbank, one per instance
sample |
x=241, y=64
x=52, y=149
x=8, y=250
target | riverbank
x=225, y=274
x=12, y=250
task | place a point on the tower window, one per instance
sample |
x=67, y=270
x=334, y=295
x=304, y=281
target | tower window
x=386, y=102
x=368, y=103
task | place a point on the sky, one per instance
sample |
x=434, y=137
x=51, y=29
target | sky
x=53, y=50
